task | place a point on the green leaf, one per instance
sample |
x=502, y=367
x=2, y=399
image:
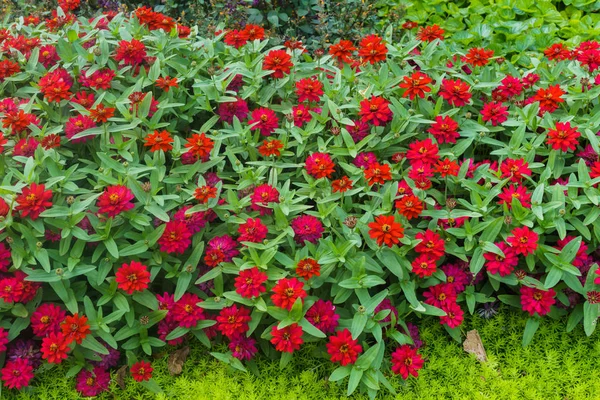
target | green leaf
x=530, y=328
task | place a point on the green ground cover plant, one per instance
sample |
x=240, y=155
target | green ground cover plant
x=162, y=185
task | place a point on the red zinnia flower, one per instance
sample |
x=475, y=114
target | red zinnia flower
x=515, y=192
x=515, y=169
x=524, y=240
x=233, y=321
x=100, y=114
x=166, y=83
x=34, y=200
x=377, y=173
x=557, y=51
x=454, y=315
x=133, y=277
x=447, y=168
x=431, y=243
x=549, y=98
x=75, y=327
x=264, y=120
x=187, y=312
x=536, y=300
x=511, y=86
x=205, y=193
x=278, y=61
x=236, y=38
x=440, y=295
x=478, y=57
x=385, y=230
x=342, y=51
x=254, y=32
x=307, y=228
x=322, y=315
x=424, y=151
x=342, y=348
x=131, y=53
x=175, y=238
x=307, y=268
x=496, y=113
x=287, y=339
x=253, y=230
x=262, y=196
x=159, y=140
x=77, y=125
x=416, y=85
x=530, y=79
x=249, y=283
x=455, y=92
x=376, y=111
x=319, y=165
x=200, y=146
x=114, y=200
x=55, y=347
x=424, y=265
x=341, y=185
x=444, y=130
x=46, y=319
x=430, y=33
x=564, y=137
x=372, y=49
x=286, y=291
x=497, y=264
x=141, y=371
x=409, y=206
x=17, y=374
x=271, y=148
x=228, y=110
x=309, y=89
x=406, y=361
x=92, y=383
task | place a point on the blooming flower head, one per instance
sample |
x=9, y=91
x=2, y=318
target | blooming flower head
x=141, y=371
x=563, y=137
x=92, y=383
x=536, y=300
x=55, y=347
x=307, y=268
x=322, y=315
x=478, y=57
x=200, y=146
x=494, y=112
x=456, y=276
x=159, y=140
x=342, y=51
x=440, y=295
x=503, y=266
x=416, y=85
x=444, y=130
x=375, y=111
x=133, y=277
x=309, y=89
x=447, y=167
x=523, y=240
x=424, y=151
x=176, y=238
x=75, y=327
x=454, y=315
x=518, y=192
x=406, y=361
x=287, y=339
x=250, y=283
x=424, y=265
x=550, y=98
x=242, y=347
x=557, y=51
x=286, y=291
x=253, y=230
x=77, y=125
x=341, y=185
x=236, y=38
x=227, y=111
x=385, y=230
x=455, y=92
x=17, y=374
x=278, y=61
x=254, y=32
x=516, y=169
x=34, y=200
x=233, y=321
x=204, y=193
x=372, y=49
x=262, y=196
x=46, y=319
x=264, y=120
x=114, y=200
x=307, y=228
x=409, y=206
x=430, y=33
x=377, y=173
x=431, y=243
x=186, y=311
x=319, y=165
x=131, y=53
x=271, y=148
x=342, y=348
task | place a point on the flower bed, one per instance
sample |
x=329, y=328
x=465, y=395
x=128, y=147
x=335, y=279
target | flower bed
x=159, y=186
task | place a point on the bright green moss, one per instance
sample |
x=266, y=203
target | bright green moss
x=556, y=365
